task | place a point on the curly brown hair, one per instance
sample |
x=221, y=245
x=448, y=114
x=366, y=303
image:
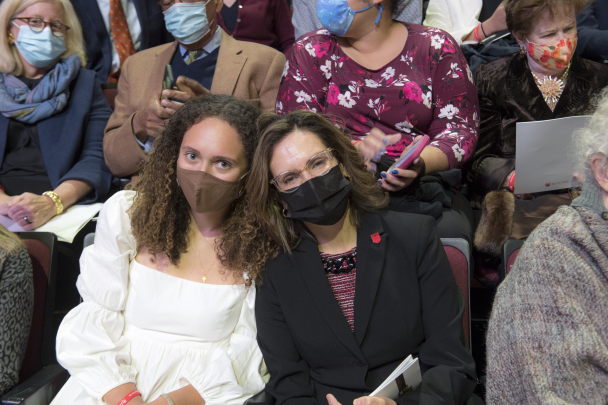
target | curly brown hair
x=160, y=215
x=523, y=15
x=264, y=229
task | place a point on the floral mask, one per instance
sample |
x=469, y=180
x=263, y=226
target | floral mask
x=557, y=56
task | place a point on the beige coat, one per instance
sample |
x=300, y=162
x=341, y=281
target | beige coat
x=245, y=70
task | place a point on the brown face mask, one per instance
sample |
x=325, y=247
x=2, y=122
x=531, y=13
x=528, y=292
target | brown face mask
x=207, y=193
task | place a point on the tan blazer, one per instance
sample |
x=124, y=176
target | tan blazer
x=245, y=70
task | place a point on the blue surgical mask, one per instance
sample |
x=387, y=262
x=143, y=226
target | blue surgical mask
x=337, y=16
x=187, y=22
x=39, y=49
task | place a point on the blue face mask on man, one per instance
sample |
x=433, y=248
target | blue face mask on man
x=39, y=49
x=337, y=16
x=187, y=22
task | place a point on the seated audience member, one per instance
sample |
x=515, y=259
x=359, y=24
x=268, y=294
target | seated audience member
x=267, y=22
x=115, y=29
x=162, y=317
x=53, y=114
x=355, y=289
x=380, y=76
x=593, y=32
x=548, y=335
x=460, y=19
x=305, y=17
x=546, y=80
x=247, y=71
x=16, y=306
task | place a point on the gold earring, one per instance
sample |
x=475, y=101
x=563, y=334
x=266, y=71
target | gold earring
x=522, y=51
x=284, y=212
x=11, y=39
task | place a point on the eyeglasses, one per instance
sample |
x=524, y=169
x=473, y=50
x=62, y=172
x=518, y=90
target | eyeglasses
x=37, y=25
x=318, y=165
x=166, y=5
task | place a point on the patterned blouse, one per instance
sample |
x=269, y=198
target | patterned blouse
x=343, y=287
x=427, y=89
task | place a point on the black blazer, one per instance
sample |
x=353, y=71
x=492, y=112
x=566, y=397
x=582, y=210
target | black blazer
x=508, y=95
x=97, y=40
x=406, y=302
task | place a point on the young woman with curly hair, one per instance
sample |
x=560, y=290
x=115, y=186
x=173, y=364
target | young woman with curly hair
x=354, y=289
x=163, y=320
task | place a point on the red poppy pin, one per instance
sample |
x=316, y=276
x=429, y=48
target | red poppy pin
x=376, y=238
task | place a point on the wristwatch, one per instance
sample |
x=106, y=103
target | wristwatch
x=53, y=196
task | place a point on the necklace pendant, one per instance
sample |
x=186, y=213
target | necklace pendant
x=204, y=279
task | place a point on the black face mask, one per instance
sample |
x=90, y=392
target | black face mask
x=321, y=200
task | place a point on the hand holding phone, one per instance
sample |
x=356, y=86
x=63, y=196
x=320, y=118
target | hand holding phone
x=412, y=154
x=405, y=170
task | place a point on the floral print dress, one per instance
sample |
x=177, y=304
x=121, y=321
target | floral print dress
x=427, y=89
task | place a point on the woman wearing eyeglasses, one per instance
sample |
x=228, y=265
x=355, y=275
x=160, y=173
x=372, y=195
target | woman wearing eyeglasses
x=354, y=289
x=53, y=114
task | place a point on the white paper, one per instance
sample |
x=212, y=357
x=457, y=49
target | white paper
x=411, y=374
x=65, y=226
x=544, y=155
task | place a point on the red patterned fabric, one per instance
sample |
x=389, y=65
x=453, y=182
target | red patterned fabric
x=121, y=36
x=343, y=287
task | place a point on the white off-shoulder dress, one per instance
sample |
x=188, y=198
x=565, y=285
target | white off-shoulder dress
x=160, y=332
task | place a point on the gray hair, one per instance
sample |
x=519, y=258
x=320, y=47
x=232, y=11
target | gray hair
x=593, y=140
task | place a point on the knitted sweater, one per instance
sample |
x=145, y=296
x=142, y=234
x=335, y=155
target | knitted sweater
x=548, y=334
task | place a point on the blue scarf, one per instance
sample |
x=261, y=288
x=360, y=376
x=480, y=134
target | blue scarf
x=48, y=98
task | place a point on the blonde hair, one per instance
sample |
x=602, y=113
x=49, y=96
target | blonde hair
x=10, y=61
x=9, y=241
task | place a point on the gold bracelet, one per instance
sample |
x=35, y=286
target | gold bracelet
x=168, y=399
x=53, y=196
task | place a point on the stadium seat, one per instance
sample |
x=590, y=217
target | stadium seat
x=458, y=254
x=40, y=377
x=510, y=250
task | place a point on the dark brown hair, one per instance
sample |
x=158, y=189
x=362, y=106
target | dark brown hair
x=264, y=206
x=523, y=15
x=160, y=215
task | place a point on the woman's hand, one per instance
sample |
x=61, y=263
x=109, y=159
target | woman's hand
x=374, y=145
x=5, y=202
x=38, y=209
x=398, y=179
x=331, y=400
x=498, y=21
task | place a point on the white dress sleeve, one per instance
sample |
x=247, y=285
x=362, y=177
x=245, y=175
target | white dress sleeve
x=457, y=17
x=233, y=374
x=90, y=341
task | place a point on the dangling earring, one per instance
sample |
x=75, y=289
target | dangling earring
x=284, y=212
x=522, y=51
x=11, y=39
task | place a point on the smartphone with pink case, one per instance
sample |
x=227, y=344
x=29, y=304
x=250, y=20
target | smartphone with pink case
x=405, y=160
